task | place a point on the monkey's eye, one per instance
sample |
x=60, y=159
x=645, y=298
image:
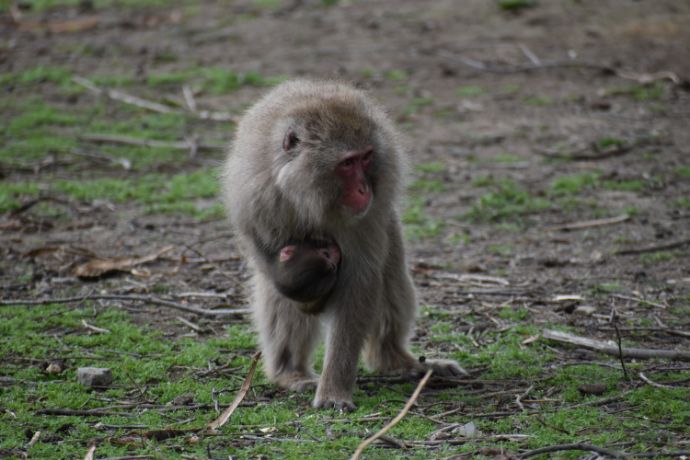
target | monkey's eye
x=290, y=140
x=366, y=159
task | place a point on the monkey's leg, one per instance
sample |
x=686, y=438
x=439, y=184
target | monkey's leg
x=349, y=321
x=288, y=338
x=386, y=349
x=339, y=367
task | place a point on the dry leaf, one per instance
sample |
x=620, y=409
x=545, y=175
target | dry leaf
x=99, y=267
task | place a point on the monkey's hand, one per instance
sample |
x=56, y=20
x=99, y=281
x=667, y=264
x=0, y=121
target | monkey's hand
x=340, y=403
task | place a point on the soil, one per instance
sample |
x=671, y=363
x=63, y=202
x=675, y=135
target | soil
x=554, y=80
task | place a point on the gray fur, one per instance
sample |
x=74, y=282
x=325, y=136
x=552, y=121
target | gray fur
x=273, y=197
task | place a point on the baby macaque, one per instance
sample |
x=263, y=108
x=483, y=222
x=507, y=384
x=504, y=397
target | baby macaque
x=322, y=158
x=306, y=271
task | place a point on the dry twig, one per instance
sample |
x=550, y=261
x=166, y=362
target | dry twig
x=220, y=421
x=588, y=224
x=395, y=421
x=609, y=349
x=577, y=446
x=34, y=440
x=90, y=452
x=146, y=104
x=518, y=398
x=128, y=140
x=658, y=247
x=93, y=328
x=134, y=298
x=652, y=383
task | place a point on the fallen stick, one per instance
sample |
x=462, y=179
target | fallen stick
x=90, y=452
x=127, y=140
x=612, y=350
x=588, y=223
x=652, y=383
x=397, y=418
x=146, y=104
x=134, y=298
x=537, y=64
x=577, y=446
x=225, y=416
x=123, y=97
x=659, y=247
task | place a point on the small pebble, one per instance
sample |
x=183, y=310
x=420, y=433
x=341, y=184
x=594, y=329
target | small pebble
x=94, y=376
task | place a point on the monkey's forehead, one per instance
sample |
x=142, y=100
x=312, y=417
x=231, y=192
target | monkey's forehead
x=334, y=115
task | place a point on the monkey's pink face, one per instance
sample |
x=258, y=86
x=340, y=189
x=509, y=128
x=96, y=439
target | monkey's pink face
x=323, y=176
x=356, y=190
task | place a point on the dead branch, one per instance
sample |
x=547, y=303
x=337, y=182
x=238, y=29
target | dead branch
x=518, y=398
x=80, y=412
x=584, y=154
x=638, y=300
x=397, y=418
x=134, y=298
x=619, y=342
x=537, y=64
x=128, y=140
x=33, y=202
x=188, y=323
x=220, y=421
x=146, y=104
x=90, y=452
x=659, y=247
x=93, y=328
x=612, y=350
x=577, y=446
x=652, y=383
x=588, y=224
x=123, y=97
x=33, y=440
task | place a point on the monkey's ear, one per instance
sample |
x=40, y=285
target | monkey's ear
x=290, y=140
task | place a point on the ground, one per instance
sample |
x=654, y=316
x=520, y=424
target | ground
x=549, y=189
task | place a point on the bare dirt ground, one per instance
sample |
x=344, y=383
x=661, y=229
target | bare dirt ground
x=565, y=88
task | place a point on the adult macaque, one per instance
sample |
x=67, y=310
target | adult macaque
x=306, y=271
x=320, y=158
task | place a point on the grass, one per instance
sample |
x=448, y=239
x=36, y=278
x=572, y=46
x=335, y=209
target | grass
x=516, y=5
x=418, y=224
x=538, y=100
x=640, y=92
x=44, y=129
x=156, y=192
x=470, y=91
x=396, y=75
x=213, y=80
x=682, y=172
x=417, y=104
x=506, y=201
x=656, y=257
x=163, y=370
x=574, y=184
x=571, y=187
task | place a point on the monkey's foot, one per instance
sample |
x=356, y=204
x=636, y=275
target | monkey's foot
x=343, y=405
x=443, y=367
x=297, y=381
